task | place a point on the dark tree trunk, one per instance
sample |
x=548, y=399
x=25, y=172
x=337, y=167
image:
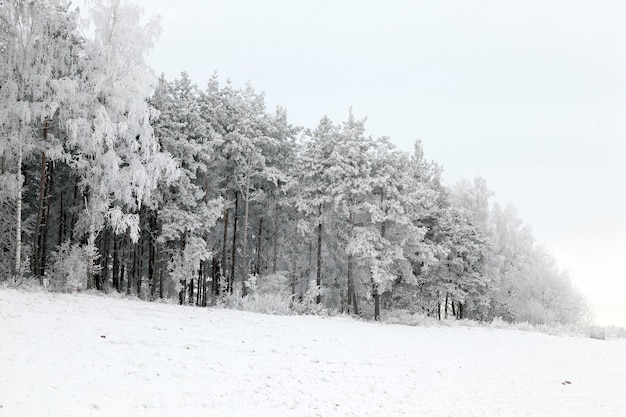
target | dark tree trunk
x=183, y=282
x=62, y=220
x=130, y=268
x=257, y=266
x=139, y=252
x=152, y=233
x=191, y=290
x=275, y=243
x=231, y=281
x=103, y=276
x=200, y=279
x=224, y=268
x=161, y=278
x=376, y=304
x=36, y=268
x=245, y=263
x=75, y=205
x=123, y=274
x=215, y=278
x=352, y=298
x=182, y=292
x=46, y=223
x=116, y=263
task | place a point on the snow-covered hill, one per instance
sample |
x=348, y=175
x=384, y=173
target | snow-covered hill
x=89, y=355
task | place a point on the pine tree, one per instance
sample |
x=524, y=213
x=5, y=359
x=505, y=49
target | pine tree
x=186, y=213
x=311, y=195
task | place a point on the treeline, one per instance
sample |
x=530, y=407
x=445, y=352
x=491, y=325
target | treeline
x=114, y=180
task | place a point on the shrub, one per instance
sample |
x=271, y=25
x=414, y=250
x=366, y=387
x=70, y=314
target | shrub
x=68, y=270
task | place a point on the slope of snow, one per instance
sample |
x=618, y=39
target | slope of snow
x=88, y=355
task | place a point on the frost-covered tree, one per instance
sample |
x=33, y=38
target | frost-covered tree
x=112, y=146
x=34, y=38
x=529, y=284
x=526, y=284
x=350, y=171
x=311, y=195
x=398, y=201
x=185, y=212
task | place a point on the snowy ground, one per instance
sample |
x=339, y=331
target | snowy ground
x=89, y=355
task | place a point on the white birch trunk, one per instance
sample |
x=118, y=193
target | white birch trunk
x=18, y=208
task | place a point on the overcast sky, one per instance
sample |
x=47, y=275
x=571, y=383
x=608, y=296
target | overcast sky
x=530, y=95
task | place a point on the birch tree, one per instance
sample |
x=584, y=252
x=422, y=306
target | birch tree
x=33, y=37
x=112, y=145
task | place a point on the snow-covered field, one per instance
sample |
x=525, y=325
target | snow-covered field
x=89, y=355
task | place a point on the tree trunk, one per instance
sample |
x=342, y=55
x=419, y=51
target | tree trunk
x=376, y=304
x=244, y=261
x=139, y=272
x=91, y=243
x=191, y=290
x=161, y=276
x=46, y=223
x=152, y=225
x=18, y=208
x=375, y=292
x=352, y=299
x=275, y=242
x=159, y=262
x=130, y=268
x=62, y=219
x=75, y=203
x=231, y=281
x=257, y=266
x=293, y=264
x=224, y=269
x=116, y=263
x=40, y=212
x=318, y=280
x=103, y=275
x=351, y=291
x=203, y=293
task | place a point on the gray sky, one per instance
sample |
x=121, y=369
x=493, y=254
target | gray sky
x=530, y=95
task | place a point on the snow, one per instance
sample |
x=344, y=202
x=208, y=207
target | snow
x=91, y=355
